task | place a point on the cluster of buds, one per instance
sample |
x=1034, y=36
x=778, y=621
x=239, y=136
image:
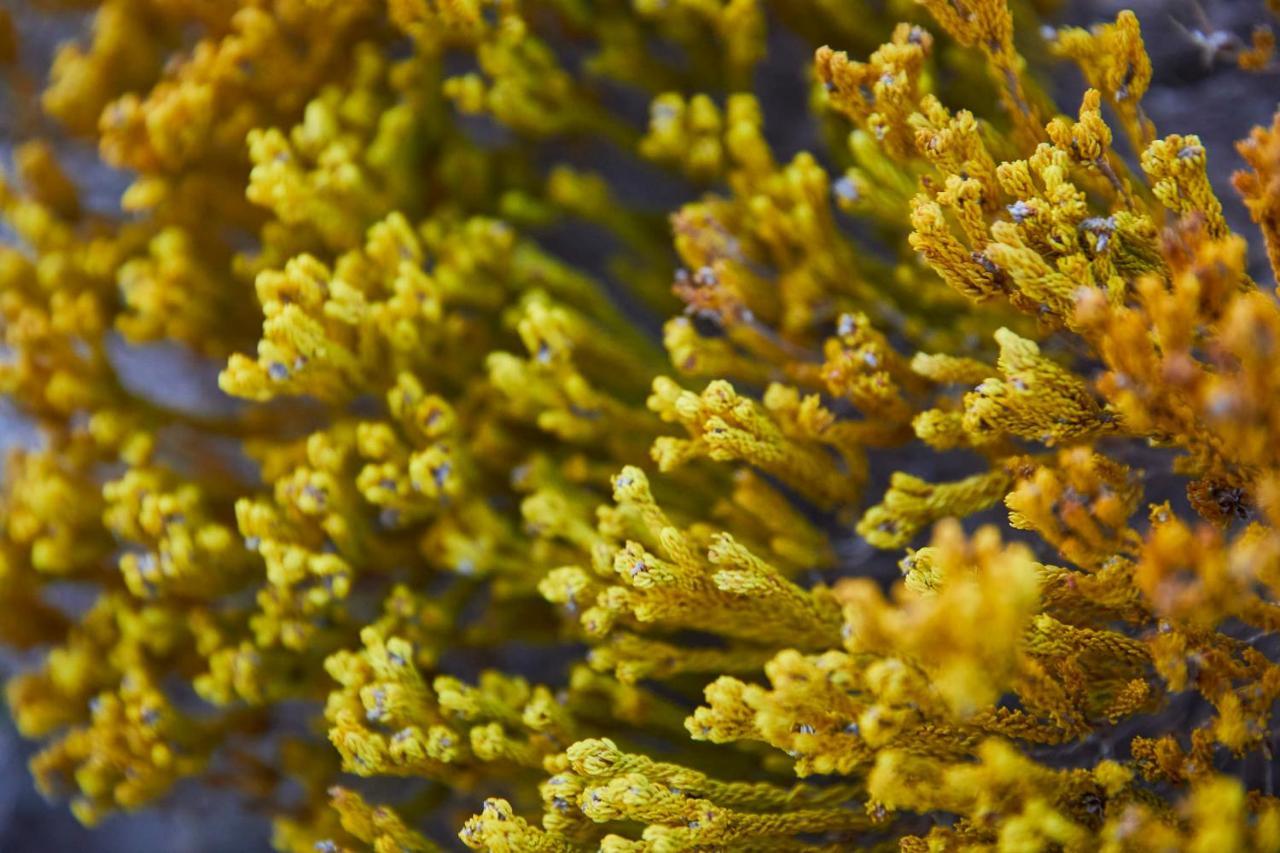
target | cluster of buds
x=463, y=510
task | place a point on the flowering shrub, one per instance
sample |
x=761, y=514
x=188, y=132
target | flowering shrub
x=473, y=525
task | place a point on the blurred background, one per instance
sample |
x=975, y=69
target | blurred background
x=1193, y=91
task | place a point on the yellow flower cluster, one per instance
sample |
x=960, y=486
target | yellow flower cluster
x=581, y=584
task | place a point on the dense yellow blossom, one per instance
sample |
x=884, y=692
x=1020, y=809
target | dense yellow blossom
x=467, y=514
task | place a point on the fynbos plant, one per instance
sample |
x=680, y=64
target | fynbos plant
x=472, y=525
